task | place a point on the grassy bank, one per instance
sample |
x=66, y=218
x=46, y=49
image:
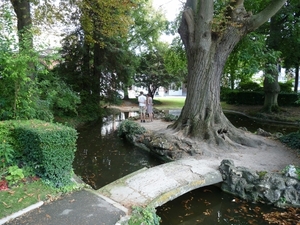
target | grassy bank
x=24, y=195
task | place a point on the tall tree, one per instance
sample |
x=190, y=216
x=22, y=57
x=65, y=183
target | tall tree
x=288, y=27
x=152, y=72
x=272, y=70
x=209, y=35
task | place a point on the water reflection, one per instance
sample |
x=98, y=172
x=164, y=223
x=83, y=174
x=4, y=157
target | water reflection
x=102, y=157
x=209, y=205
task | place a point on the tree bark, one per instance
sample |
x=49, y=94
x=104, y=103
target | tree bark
x=22, y=10
x=208, y=47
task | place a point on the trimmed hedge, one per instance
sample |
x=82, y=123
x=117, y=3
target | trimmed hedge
x=257, y=98
x=245, y=97
x=49, y=147
x=287, y=99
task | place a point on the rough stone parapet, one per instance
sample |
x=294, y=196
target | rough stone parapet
x=281, y=190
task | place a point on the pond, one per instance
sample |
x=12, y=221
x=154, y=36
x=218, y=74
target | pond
x=210, y=205
x=102, y=157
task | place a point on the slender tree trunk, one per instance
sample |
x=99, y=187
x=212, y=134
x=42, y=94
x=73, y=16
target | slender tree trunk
x=22, y=10
x=97, y=76
x=126, y=95
x=296, y=78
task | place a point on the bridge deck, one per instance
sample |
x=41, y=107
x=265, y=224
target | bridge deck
x=160, y=184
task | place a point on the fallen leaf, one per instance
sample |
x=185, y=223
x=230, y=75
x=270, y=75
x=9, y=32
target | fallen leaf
x=11, y=192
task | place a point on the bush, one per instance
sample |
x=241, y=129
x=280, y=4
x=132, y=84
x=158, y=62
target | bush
x=287, y=99
x=292, y=140
x=223, y=93
x=257, y=98
x=49, y=148
x=129, y=129
x=8, y=153
x=286, y=87
x=249, y=86
x=170, y=118
x=245, y=97
x=146, y=216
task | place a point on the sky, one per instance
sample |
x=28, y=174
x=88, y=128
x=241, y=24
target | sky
x=171, y=8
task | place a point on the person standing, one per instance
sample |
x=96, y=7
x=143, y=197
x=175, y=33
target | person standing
x=142, y=105
x=150, y=107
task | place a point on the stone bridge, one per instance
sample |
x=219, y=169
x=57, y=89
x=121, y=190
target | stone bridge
x=160, y=184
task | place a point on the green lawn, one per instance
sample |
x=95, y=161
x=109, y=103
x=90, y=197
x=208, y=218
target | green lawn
x=169, y=102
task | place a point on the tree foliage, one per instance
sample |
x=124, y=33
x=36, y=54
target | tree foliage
x=285, y=36
x=152, y=72
x=23, y=75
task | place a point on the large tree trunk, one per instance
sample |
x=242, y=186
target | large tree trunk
x=202, y=115
x=207, y=49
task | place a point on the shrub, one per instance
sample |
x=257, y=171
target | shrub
x=146, y=216
x=6, y=154
x=245, y=97
x=287, y=99
x=170, y=117
x=49, y=147
x=292, y=140
x=15, y=174
x=286, y=87
x=249, y=86
x=129, y=129
x=223, y=93
x=257, y=98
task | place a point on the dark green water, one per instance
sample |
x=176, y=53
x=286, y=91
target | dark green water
x=210, y=206
x=102, y=157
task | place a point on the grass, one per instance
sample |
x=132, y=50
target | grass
x=24, y=195
x=168, y=102
x=163, y=102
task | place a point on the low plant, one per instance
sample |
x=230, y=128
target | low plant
x=6, y=154
x=15, y=174
x=170, y=117
x=261, y=174
x=292, y=140
x=144, y=216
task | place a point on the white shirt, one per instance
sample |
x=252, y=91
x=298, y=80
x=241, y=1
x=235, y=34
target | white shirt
x=142, y=100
